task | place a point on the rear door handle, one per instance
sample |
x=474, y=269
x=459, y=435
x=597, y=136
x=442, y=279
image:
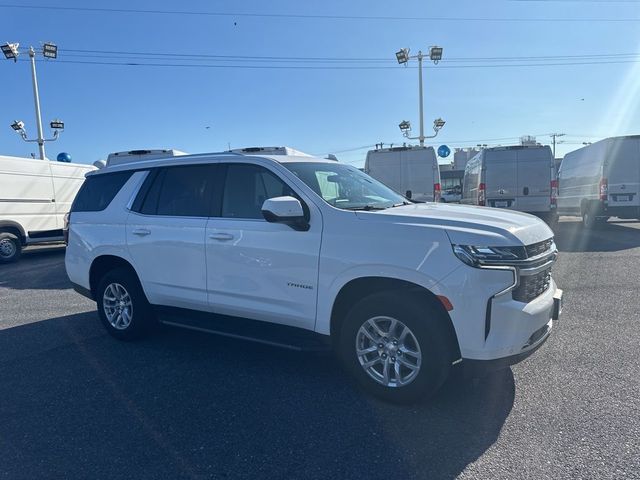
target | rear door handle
x=141, y=232
x=223, y=237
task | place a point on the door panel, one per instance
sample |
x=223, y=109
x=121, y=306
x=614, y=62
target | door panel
x=256, y=269
x=623, y=173
x=501, y=178
x=166, y=235
x=168, y=254
x=534, y=181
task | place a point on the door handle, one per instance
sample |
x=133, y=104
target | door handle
x=223, y=237
x=141, y=232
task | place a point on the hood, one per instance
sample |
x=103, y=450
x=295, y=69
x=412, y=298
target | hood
x=469, y=225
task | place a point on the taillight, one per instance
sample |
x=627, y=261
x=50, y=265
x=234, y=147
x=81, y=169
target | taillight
x=481, y=194
x=65, y=228
x=554, y=192
x=604, y=189
x=436, y=192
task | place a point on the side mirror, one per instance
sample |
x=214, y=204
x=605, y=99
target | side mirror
x=408, y=194
x=287, y=210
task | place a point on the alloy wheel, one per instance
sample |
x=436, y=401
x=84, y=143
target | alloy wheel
x=117, y=306
x=388, y=351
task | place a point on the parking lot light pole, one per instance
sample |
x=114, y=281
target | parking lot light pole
x=49, y=50
x=36, y=97
x=403, y=57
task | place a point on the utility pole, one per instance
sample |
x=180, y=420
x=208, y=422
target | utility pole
x=554, y=136
x=435, y=55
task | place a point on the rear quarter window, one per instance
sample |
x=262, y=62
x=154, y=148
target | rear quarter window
x=98, y=191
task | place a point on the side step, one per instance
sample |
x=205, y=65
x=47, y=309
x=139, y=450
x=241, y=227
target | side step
x=275, y=335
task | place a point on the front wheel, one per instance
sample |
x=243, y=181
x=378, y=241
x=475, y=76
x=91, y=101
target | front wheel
x=122, y=305
x=10, y=247
x=395, y=347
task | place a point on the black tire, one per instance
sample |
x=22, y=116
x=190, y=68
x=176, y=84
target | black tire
x=588, y=218
x=426, y=325
x=10, y=247
x=552, y=220
x=140, y=315
x=601, y=222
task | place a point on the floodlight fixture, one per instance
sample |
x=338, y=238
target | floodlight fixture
x=438, y=123
x=57, y=124
x=50, y=50
x=435, y=54
x=10, y=51
x=402, y=55
x=17, y=125
x=404, y=126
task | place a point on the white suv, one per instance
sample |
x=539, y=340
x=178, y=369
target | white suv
x=300, y=252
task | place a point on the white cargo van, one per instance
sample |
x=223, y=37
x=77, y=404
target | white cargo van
x=519, y=178
x=411, y=171
x=34, y=197
x=601, y=180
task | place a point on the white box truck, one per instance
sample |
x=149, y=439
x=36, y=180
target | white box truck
x=601, y=180
x=411, y=171
x=518, y=177
x=35, y=195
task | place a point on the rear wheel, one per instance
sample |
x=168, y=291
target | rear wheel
x=122, y=305
x=10, y=247
x=395, y=347
x=589, y=218
x=552, y=220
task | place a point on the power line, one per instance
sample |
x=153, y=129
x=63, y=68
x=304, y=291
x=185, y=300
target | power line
x=336, y=67
x=309, y=16
x=204, y=60
x=119, y=54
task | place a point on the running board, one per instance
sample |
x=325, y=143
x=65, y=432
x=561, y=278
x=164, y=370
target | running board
x=271, y=334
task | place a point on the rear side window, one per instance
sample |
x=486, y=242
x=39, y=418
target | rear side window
x=184, y=191
x=98, y=191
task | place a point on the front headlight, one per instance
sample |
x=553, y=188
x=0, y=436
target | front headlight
x=476, y=256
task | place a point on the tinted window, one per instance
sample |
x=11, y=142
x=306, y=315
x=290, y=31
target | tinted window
x=181, y=192
x=247, y=187
x=97, y=191
x=150, y=203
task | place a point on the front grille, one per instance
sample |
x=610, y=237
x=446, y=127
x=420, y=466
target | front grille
x=536, y=249
x=532, y=286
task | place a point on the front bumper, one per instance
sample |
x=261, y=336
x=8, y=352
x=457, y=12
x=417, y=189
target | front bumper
x=475, y=367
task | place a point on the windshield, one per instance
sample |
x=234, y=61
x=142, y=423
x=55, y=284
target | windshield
x=346, y=187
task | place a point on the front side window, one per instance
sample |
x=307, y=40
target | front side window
x=247, y=187
x=346, y=187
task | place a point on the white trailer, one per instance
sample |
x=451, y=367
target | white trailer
x=35, y=195
x=601, y=180
x=411, y=171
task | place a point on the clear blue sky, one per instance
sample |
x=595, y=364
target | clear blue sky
x=111, y=107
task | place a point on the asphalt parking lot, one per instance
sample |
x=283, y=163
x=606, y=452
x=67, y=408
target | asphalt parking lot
x=75, y=403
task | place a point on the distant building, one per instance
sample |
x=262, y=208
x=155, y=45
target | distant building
x=528, y=141
x=445, y=166
x=461, y=156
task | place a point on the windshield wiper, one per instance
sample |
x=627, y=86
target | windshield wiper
x=366, y=208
